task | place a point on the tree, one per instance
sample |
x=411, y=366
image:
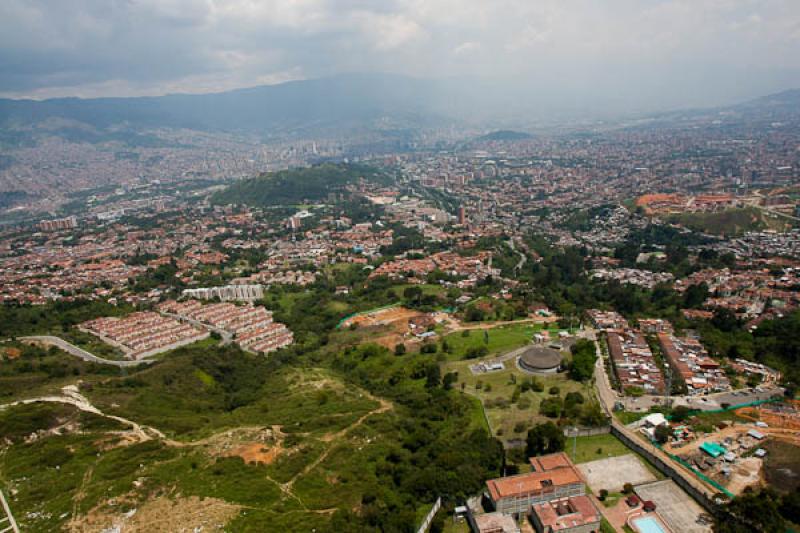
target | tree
x=680, y=413
x=725, y=320
x=584, y=356
x=663, y=433
x=433, y=376
x=695, y=295
x=543, y=439
x=551, y=407
x=400, y=349
x=751, y=511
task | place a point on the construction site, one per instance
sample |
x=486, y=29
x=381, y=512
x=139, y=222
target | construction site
x=395, y=325
x=736, y=452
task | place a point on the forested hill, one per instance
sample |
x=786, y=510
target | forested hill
x=296, y=186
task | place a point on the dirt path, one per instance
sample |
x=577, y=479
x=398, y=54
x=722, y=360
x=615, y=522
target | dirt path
x=491, y=325
x=332, y=437
x=73, y=398
x=144, y=433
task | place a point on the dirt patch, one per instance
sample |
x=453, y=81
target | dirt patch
x=745, y=473
x=257, y=453
x=254, y=444
x=387, y=327
x=161, y=514
x=782, y=466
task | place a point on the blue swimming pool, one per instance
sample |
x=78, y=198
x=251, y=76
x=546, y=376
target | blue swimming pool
x=648, y=524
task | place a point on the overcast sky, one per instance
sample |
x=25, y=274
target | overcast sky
x=673, y=52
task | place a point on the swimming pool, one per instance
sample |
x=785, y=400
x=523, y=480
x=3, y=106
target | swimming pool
x=648, y=524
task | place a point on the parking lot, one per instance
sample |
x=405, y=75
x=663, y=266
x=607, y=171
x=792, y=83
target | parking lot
x=704, y=403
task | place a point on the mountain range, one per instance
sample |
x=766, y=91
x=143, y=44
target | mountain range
x=361, y=103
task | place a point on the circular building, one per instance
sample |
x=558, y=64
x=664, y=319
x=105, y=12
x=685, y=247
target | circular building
x=540, y=360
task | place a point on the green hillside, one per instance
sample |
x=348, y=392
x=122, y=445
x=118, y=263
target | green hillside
x=295, y=186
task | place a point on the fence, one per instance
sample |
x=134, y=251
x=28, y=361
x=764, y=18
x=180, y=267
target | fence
x=352, y=315
x=667, y=469
x=429, y=517
x=586, y=432
x=730, y=407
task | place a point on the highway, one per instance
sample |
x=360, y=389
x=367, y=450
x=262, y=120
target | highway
x=71, y=349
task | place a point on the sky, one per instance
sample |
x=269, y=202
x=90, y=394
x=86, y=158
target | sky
x=647, y=53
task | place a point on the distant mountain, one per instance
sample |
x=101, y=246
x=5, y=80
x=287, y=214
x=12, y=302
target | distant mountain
x=789, y=98
x=364, y=101
x=505, y=135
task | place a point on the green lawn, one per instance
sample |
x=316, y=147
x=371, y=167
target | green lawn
x=628, y=417
x=501, y=339
x=505, y=418
x=596, y=447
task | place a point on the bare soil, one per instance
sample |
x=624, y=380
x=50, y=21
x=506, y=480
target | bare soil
x=162, y=514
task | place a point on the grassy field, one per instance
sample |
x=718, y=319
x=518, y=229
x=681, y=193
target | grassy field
x=728, y=222
x=501, y=339
x=595, y=447
x=497, y=387
x=327, y=427
x=782, y=465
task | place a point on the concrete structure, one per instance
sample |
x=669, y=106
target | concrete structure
x=59, y=224
x=245, y=293
x=540, y=359
x=250, y=326
x=142, y=334
x=576, y=514
x=677, y=510
x=612, y=473
x=690, y=360
x=633, y=361
x=494, y=523
x=552, y=477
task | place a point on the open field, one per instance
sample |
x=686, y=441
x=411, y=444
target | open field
x=728, y=222
x=289, y=468
x=495, y=390
x=595, y=447
x=502, y=338
x=782, y=466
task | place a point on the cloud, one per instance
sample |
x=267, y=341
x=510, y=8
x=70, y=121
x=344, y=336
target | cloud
x=116, y=47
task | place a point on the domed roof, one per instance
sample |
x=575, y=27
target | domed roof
x=540, y=358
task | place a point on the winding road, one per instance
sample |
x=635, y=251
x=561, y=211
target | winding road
x=71, y=349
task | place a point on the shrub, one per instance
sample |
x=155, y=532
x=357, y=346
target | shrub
x=554, y=390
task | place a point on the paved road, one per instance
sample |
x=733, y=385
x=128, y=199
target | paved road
x=608, y=397
x=227, y=337
x=704, y=403
x=80, y=352
x=522, y=257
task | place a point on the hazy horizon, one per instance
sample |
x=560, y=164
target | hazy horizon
x=626, y=54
